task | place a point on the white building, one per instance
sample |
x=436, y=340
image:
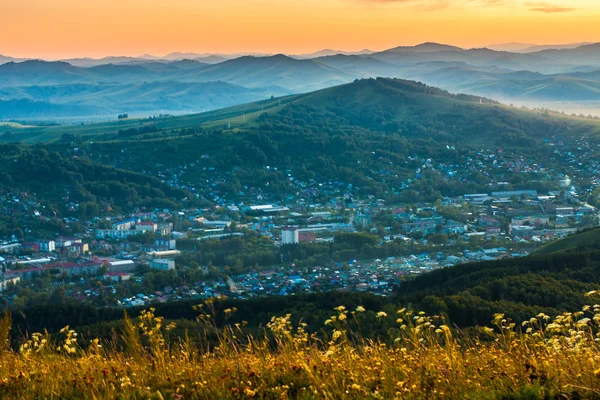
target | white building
x=46, y=245
x=121, y=266
x=162, y=264
x=6, y=282
x=114, y=233
x=124, y=225
x=146, y=227
x=290, y=235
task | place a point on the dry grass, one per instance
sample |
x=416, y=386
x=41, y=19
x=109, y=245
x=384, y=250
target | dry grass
x=545, y=358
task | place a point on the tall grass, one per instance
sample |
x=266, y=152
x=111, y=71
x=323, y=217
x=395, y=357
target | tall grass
x=544, y=358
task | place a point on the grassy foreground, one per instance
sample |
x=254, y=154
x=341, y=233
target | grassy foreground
x=545, y=358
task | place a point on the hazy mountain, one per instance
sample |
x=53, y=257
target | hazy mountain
x=535, y=48
x=330, y=52
x=428, y=47
x=545, y=61
x=531, y=48
x=566, y=74
x=511, y=47
x=212, y=59
x=93, y=62
x=5, y=59
x=364, y=66
x=25, y=108
x=108, y=100
x=177, y=56
x=279, y=70
x=582, y=55
x=38, y=72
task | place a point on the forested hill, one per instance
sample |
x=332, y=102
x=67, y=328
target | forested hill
x=582, y=241
x=415, y=110
x=385, y=137
x=373, y=134
x=60, y=182
x=409, y=108
x=471, y=293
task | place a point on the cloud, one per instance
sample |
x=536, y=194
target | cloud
x=440, y=4
x=433, y=3
x=548, y=8
x=543, y=7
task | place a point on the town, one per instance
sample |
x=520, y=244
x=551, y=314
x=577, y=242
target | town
x=278, y=249
x=322, y=235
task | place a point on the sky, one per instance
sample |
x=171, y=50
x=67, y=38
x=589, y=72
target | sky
x=54, y=29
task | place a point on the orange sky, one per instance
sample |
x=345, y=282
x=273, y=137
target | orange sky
x=75, y=28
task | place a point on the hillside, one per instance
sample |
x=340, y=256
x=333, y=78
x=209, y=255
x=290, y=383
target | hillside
x=398, y=100
x=382, y=132
x=77, y=186
x=469, y=294
x=583, y=241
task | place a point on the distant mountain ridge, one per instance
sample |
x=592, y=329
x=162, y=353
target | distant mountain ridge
x=567, y=74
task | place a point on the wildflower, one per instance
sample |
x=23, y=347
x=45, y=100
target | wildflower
x=336, y=334
x=360, y=309
x=381, y=314
x=488, y=330
x=171, y=326
x=583, y=322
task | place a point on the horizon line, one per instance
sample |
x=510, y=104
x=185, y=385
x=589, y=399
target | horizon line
x=257, y=53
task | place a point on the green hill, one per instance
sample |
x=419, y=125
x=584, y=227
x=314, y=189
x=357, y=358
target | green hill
x=397, y=102
x=373, y=134
x=582, y=241
x=78, y=186
x=471, y=293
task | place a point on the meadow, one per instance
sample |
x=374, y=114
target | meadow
x=544, y=357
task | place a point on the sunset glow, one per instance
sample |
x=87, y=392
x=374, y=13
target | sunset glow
x=75, y=28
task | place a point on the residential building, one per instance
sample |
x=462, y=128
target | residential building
x=146, y=226
x=290, y=235
x=162, y=264
x=46, y=245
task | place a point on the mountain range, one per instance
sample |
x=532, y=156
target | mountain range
x=188, y=82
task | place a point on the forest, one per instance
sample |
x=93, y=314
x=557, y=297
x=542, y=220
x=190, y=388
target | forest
x=95, y=188
x=370, y=137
